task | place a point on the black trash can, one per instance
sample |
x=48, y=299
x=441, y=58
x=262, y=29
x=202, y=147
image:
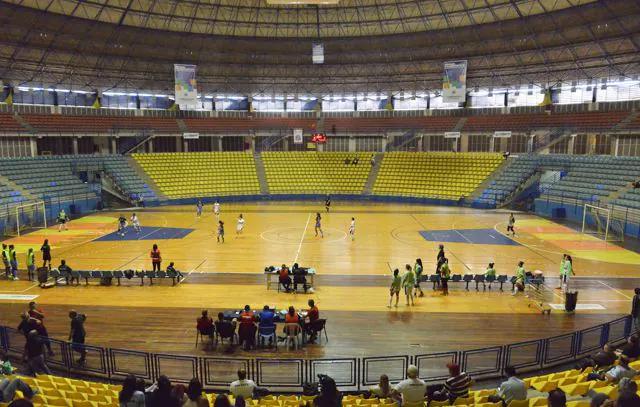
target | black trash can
x=570, y=301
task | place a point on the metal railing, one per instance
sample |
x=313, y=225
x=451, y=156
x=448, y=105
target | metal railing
x=350, y=374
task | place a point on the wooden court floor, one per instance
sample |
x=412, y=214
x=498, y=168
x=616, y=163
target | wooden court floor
x=352, y=283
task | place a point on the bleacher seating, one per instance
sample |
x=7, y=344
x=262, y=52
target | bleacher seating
x=101, y=124
x=505, y=183
x=584, y=121
x=208, y=174
x=434, y=175
x=9, y=196
x=316, y=173
x=630, y=199
x=9, y=125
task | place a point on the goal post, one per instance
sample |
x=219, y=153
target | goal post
x=601, y=222
x=25, y=217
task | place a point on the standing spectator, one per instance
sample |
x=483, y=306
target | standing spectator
x=242, y=386
x=162, y=394
x=194, y=395
x=557, y=398
x=204, y=324
x=156, y=258
x=511, y=389
x=247, y=329
x=28, y=324
x=8, y=389
x=13, y=261
x=412, y=389
x=77, y=334
x=329, y=395
x=33, y=354
x=313, y=314
x=38, y=314
x=31, y=265
x=130, y=396
x=457, y=385
x=382, y=389
x=46, y=253
x=635, y=309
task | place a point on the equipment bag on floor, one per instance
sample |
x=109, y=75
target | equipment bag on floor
x=570, y=301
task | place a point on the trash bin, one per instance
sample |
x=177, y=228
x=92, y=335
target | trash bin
x=570, y=301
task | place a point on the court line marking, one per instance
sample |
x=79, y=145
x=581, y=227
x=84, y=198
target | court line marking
x=304, y=233
x=615, y=290
x=452, y=253
x=463, y=236
x=190, y=271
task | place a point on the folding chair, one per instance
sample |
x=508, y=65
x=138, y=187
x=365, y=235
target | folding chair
x=118, y=274
x=479, y=278
x=84, y=274
x=489, y=279
x=267, y=332
x=435, y=279
x=502, y=279
x=150, y=275
x=467, y=279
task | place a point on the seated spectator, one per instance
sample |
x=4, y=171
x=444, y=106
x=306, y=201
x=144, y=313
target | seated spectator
x=161, y=394
x=242, y=386
x=557, y=398
x=247, y=329
x=284, y=278
x=511, y=389
x=204, y=324
x=5, y=364
x=628, y=400
x=292, y=316
x=599, y=399
x=194, y=395
x=8, y=389
x=20, y=403
x=627, y=385
x=172, y=269
x=329, y=395
x=412, y=389
x=313, y=314
x=382, y=389
x=604, y=358
x=632, y=348
x=223, y=327
x=240, y=402
x=33, y=354
x=616, y=373
x=130, y=396
x=65, y=271
x=457, y=385
x=266, y=323
x=222, y=401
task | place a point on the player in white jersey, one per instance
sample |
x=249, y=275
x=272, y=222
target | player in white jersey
x=352, y=229
x=135, y=222
x=240, y=226
x=216, y=209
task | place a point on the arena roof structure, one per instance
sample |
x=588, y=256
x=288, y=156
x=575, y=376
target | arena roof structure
x=264, y=46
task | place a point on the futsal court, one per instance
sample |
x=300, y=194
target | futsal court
x=352, y=276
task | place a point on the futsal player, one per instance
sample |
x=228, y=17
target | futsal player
x=408, y=281
x=445, y=275
x=62, y=220
x=521, y=275
x=396, y=282
x=199, y=209
x=135, y=222
x=318, y=227
x=352, y=229
x=216, y=209
x=417, y=268
x=568, y=272
x=220, y=232
x=512, y=222
x=122, y=224
x=240, y=226
x=327, y=203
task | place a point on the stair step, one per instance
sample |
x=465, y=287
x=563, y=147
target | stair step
x=373, y=174
x=262, y=176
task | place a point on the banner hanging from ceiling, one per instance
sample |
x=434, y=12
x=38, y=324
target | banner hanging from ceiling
x=454, y=82
x=186, y=86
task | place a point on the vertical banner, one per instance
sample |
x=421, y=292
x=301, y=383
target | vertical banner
x=454, y=82
x=297, y=136
x=186, y=86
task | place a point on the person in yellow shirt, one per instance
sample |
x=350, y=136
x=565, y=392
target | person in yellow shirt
x=31, y=264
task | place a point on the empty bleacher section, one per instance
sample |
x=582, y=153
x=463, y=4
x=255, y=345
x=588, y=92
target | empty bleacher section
x=93, y=124
x=586, y=121
x=193, y=175
x=630, y=199
x=434, y=175
x=316, y=173
x=515, y=174
x=9, y=124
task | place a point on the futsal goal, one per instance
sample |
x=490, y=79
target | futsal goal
x=23, y=218
x=602, y=223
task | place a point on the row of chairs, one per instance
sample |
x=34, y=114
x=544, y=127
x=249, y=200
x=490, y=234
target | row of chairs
x=468, y=278
x=105, y=277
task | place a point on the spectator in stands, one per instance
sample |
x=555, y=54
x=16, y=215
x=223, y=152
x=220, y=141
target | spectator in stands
x=628, y=400
x=511, y=389
x=267, y=322
x=8, y=389
x=240, y=402
x=627, y=385
x=373, y=161
x=172, y=269
x=247, y=329
x=242, y=386
x=20, y=403
x=77, y=334
x=313, y=314
x=162, y=394
x=33, y=354
x=635, y=308
x=222, y=401
x=606, y=357
x=557, y=398
x=457, y=385
x=46, y=253
x=38, y=314
x=156, y=258
x=329, y=395
x=412, y=389
x=599, y=399
x=284, y=278
x=65, y=271
x=382, y=389
x=194, y=395
x=130, y=396
x=632, y=348
x=204, y=324
x=616, y=373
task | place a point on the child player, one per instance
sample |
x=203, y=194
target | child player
x=352, y=229
x=135, y=222
x=216, y=209
x=396, y=283
x=122, y=224
x=199, y=209
x=240, y=226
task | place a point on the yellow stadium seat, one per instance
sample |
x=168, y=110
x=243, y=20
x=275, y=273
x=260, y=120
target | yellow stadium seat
x=579, y=403
x=435, y=403
x=368, y=402
x=464, y=401
x=545, y=386
x=58, y=402
x=518, y=403
x=83, y=403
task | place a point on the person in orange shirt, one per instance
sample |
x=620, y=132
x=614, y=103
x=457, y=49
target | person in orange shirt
x=284, y=278
x=292, y=316
x=156, y=258
x=247, y=329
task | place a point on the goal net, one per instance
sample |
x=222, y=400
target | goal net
x=23, y=218
x=602, y=223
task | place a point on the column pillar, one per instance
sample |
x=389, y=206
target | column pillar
x=285, y=144
x=492, y=144
x=571, y=144
x=114, y=145
x=150, y=145
x=219, y=143
x=615, y=143
x=591, y=144
x=33, y=144
x=504, y=143
x=420, y=143
x=352, y=144
x=530, y=142
x=384, y=143
x=185, y=146
x=74, y=145
x=464, y=143
x=252, y=144
x=178, y=144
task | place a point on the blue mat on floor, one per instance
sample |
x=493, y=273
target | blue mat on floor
x=146, y=233
x=471, y=236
